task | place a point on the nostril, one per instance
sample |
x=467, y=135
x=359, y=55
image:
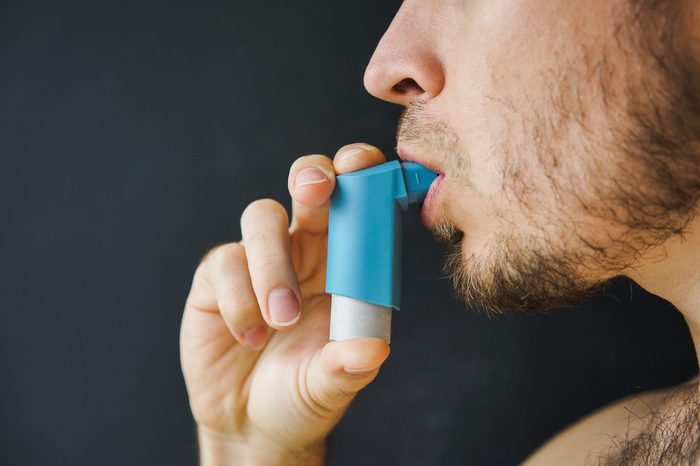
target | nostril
x=407, y=86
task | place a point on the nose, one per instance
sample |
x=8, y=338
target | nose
x=406, y=66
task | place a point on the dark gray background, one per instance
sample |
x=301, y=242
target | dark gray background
x=132, y=136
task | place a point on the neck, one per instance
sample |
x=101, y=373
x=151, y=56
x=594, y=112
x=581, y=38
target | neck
x=672, y=272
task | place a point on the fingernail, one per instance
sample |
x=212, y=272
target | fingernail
x=255, y=338
x=309, y=176
x=283, y=306
x=351, y=152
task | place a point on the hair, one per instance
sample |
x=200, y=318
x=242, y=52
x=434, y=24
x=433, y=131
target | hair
x=665, y=134
x=649, y=195
x=671, y=434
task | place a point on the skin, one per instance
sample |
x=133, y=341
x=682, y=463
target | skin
x=273, y=395
x=514, y=103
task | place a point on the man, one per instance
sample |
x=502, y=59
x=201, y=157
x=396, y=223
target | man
x=567, y=136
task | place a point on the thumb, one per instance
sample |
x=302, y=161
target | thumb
x=343, y=369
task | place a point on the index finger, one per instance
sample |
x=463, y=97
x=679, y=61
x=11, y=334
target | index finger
x=311, y=194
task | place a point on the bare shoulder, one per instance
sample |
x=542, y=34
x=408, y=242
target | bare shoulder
x=607, y=432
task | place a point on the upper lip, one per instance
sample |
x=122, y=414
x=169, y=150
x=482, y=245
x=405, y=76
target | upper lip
x=406, y=156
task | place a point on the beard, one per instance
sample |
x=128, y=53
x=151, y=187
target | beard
x=646, y=192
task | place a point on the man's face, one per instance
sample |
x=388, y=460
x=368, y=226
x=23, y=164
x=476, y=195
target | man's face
x=565, y=132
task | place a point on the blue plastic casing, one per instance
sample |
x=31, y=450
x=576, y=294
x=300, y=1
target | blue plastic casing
x=364, y=230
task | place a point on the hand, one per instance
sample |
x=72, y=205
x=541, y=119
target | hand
x=265, y=384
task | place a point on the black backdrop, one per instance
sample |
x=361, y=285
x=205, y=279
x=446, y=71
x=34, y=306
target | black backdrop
x=132, y=136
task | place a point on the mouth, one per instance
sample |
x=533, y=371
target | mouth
x=406, y=156
x=429, y=209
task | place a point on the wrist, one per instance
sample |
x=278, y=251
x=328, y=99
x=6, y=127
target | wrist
x=220, y=449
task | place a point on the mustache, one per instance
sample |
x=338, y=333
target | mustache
x=410, y=127
x=418, y=126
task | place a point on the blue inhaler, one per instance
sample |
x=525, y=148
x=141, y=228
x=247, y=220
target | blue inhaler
x=364, y=246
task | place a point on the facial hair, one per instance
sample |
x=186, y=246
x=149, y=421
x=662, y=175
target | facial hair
x=647, y=193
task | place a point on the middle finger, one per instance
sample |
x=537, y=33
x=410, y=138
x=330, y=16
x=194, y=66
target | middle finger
x=265, y=230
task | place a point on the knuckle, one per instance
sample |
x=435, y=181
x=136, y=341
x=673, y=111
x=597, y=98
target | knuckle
x=225, y=255
x=264, y=207
x=207, y=255
x=259, y=237
x=240, y=306
x=273, y=261
x=199, y=273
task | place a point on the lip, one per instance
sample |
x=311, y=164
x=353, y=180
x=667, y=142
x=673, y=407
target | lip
x=406, y=156
x=428, y=210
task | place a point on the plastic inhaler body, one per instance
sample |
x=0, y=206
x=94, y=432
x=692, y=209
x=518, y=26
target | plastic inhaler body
x=364, y=246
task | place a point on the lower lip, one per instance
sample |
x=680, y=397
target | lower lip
x=429, y=209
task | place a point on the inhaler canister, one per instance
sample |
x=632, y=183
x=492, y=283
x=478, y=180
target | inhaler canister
x=364, y=246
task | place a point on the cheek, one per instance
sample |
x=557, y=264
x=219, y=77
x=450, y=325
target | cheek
x=476, y=215
x=495, y=95
x=478, y=162
x=487, y=207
